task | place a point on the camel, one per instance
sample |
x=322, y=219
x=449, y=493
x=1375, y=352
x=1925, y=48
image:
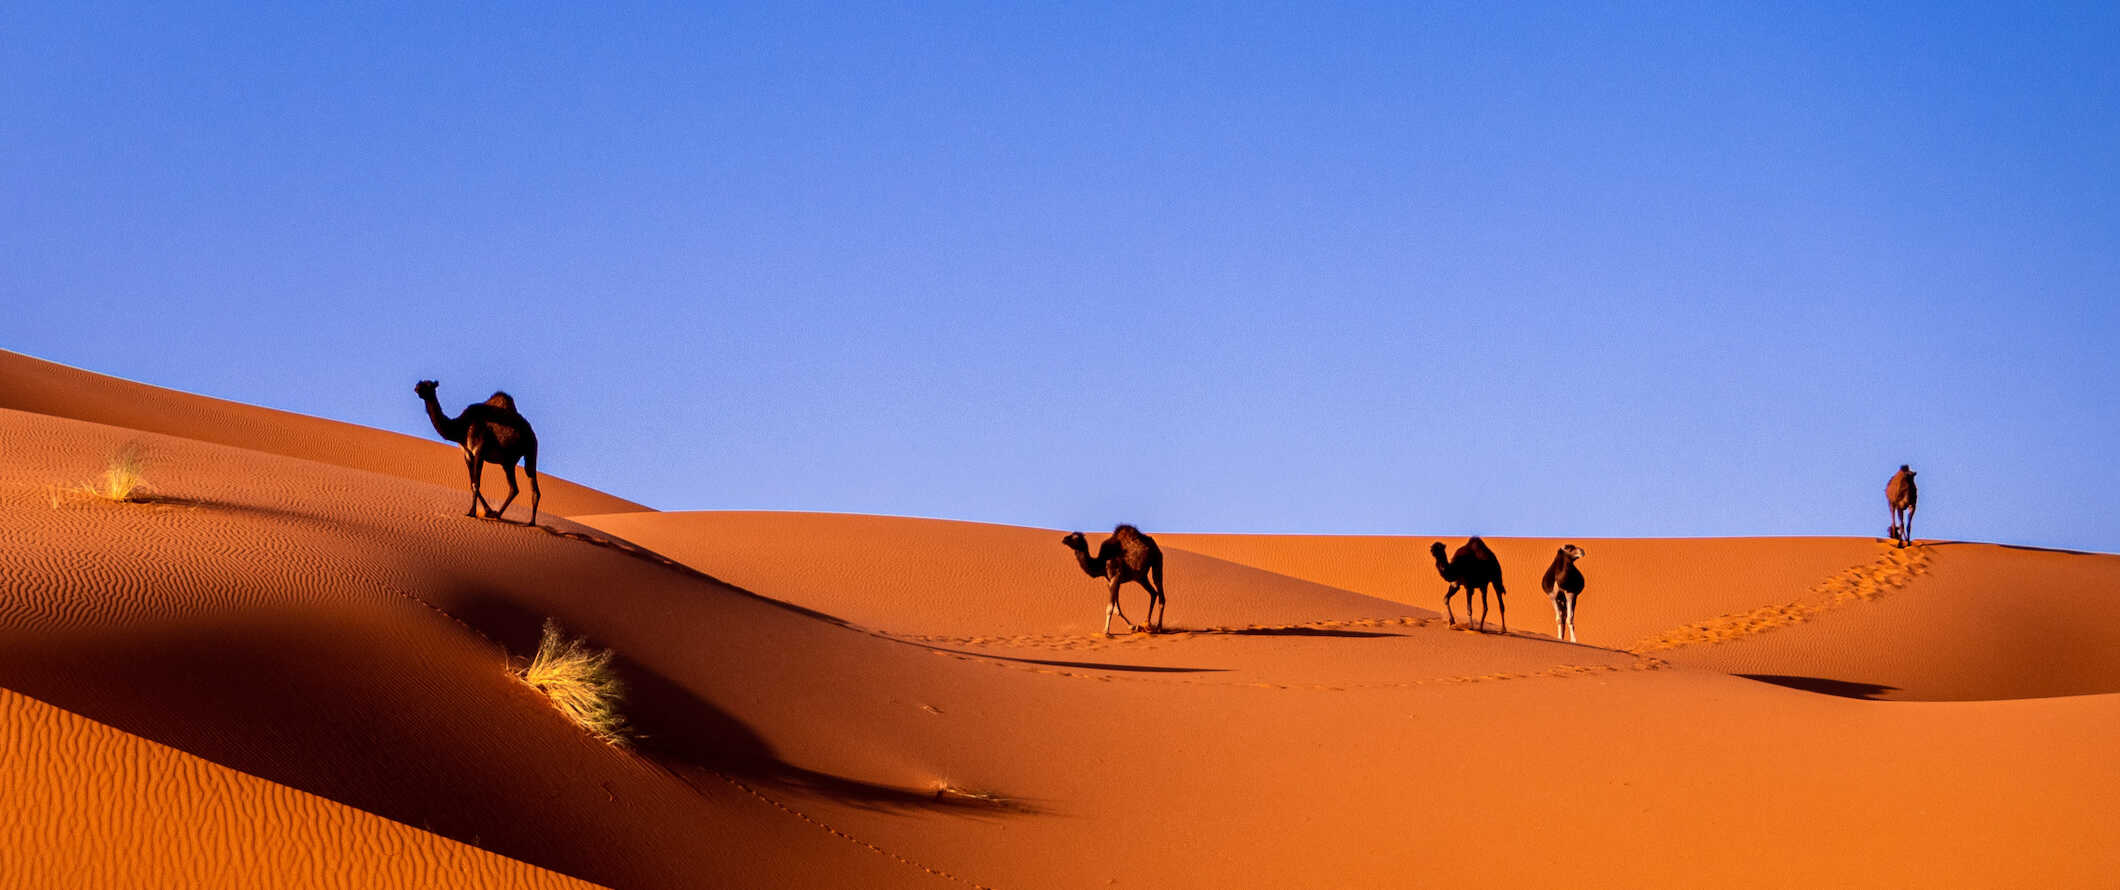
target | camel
x=1472, y=568
x=490, y=433
x=1900, y=495
x=1564, y=583
x=1128, y=555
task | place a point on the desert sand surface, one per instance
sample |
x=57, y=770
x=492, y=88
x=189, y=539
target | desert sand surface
x=88, y=805
x=42, y=387
x=300, y=641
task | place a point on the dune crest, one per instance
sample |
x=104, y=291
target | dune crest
x=823, y=700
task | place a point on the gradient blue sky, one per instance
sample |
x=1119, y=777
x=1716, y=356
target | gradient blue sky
x=1646, y=270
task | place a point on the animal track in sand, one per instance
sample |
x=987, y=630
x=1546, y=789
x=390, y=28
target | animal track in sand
x=1163, y=675
x=1081, y=642
x=1895, y=569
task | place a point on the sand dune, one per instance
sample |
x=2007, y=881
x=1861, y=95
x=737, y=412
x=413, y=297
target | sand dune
x=966, y=579
x=1637, y=587
x=89, y=806
x=34, y=385
x=827, y=700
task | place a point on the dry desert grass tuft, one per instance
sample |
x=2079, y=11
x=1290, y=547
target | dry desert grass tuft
x=580, y=683
x=124, y=480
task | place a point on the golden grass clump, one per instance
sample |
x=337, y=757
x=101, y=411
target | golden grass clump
x=124, y=480
x=580, y=683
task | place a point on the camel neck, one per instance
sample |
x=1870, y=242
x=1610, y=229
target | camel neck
x=1091, y=565
x=448, y=426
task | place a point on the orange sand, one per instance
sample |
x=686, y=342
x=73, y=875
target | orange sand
x=302, y=630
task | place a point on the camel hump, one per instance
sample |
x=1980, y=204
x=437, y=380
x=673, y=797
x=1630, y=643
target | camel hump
x=1128, y=533
x=501, y=400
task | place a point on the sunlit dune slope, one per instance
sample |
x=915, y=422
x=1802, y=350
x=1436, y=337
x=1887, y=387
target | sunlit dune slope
x=89, y=806
x=349, y=634
x=968, y=579
x=1849, y=616
x=30, y=384
x=1956, y=621
x=1636, y=587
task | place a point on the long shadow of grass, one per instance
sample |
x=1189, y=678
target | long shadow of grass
x=676, y=728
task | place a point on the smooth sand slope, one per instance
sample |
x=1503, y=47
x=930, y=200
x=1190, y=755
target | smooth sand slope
x=968, y=579
x=937, y=714
x=38, y=386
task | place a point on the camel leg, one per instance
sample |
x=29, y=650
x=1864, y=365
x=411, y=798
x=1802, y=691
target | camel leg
x=530, y=469
x=1501, y=607
x=1908, y=527
x=477, y=469
x=1573, y=598
x=1114, y=607
x=510, y=469
x=1483, y=608
x=1158, y=606
x=1149, y=622
x=1560, y=616
x=1447, y=594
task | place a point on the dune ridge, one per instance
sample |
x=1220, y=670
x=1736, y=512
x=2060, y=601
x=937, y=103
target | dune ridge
x=831, y=700
x=41, y=387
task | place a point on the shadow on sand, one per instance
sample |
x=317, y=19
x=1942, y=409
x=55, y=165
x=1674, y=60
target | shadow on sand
x=1842, y=688
x=1333, y=632
x=679, y=730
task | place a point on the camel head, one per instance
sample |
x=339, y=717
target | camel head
x=1441, y=552
x=1075, y=541
x=425, y=388
x=1573, y=551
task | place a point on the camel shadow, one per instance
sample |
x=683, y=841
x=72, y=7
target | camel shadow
x=680, y=732
x=1082, y=665
x=1331, y=632
x=1841, y=688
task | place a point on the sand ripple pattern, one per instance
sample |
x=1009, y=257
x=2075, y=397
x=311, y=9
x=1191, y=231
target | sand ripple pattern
x=1895, y=569
x=90, y=806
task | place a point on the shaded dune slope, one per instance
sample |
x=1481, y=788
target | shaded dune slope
x=903, y=720
x=90, y=806
x=38, y=386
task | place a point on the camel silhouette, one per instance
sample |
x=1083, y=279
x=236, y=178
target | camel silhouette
x=1128, y=555
x=1900, y=494
x=1564, y=583
x=491, y=432
x=1472, y=568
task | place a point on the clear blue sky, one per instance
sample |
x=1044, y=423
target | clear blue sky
x=1652, y=270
